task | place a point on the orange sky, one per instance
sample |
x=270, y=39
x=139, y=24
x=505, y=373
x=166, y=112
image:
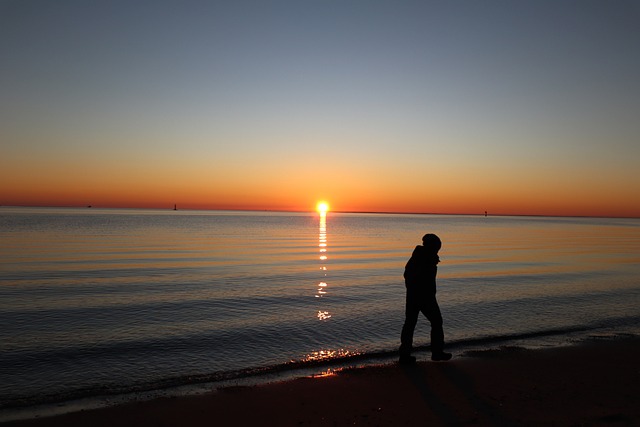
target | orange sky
x=346, y=189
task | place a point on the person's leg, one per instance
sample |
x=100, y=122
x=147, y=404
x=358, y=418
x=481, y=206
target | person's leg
x=431, y=310
x=410, y=319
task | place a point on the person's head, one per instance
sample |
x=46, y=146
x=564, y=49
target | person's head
x=431, y=242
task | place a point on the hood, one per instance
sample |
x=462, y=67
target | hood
x=424, y=254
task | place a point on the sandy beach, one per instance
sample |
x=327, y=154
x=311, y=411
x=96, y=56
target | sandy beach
x=592, y=383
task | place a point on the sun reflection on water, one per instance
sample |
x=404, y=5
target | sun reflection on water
x=328, y=354
x=328, y=373
x=322, y=315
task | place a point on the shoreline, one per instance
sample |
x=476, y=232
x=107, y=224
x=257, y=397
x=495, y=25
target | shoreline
x=592, y=382
x=49, y=404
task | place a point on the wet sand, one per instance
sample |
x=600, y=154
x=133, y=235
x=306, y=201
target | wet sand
x=593, y=383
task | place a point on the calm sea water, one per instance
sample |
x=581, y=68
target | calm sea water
x=110, y=301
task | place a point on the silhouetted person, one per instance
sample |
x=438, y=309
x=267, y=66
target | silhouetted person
x=420, y=281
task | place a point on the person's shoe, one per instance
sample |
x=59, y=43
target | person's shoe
x=407, y=360
x=440, y=356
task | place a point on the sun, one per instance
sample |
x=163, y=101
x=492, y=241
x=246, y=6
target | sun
x=322, y=207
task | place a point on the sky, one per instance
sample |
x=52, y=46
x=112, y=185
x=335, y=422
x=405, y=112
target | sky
x=510, y=107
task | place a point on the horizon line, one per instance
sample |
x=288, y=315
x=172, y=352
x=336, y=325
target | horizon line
x=483, y=214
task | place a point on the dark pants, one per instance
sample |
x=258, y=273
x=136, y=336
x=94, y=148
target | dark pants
x=429, y=307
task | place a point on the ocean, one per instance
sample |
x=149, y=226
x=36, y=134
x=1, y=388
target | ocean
x=99, y=302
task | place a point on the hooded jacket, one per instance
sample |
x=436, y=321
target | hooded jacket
x=420, y=272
